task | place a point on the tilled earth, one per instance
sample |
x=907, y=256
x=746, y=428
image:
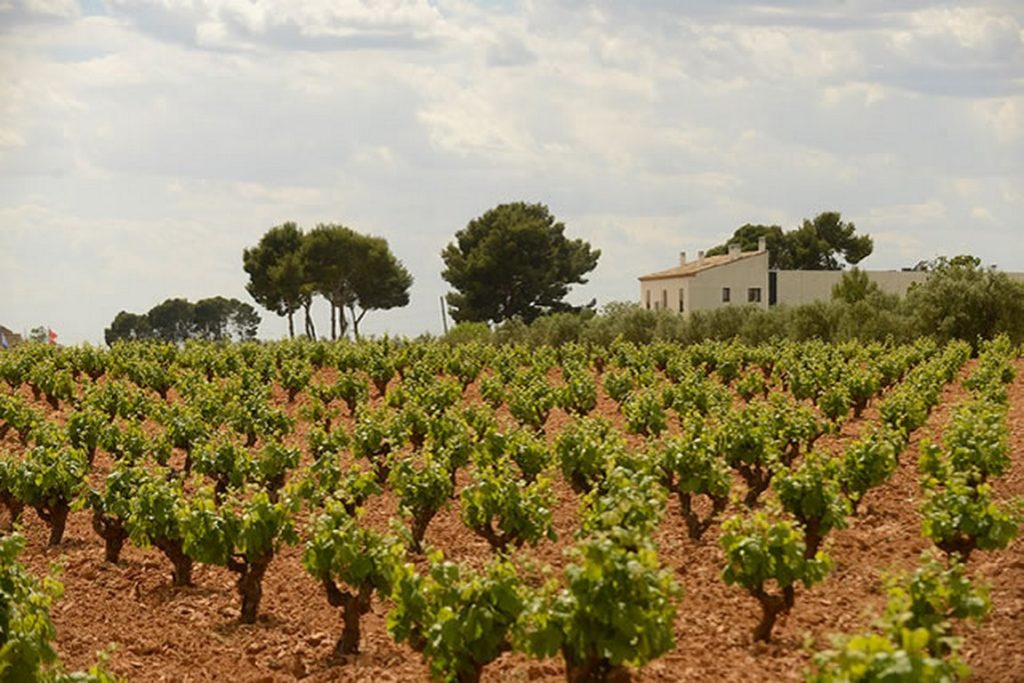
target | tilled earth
x=155, y=632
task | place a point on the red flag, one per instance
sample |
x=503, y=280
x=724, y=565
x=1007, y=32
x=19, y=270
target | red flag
x=53, y=337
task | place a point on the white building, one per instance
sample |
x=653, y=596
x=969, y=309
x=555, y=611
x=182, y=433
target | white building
x=734, y=279
x=743, y=278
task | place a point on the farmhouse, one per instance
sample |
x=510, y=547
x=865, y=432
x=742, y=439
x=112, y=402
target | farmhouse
x=742, y=278
x=736, y=278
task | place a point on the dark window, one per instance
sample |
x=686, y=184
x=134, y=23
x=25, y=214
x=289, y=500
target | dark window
x=647, y=302
x=664, y=299
x=725, y=294
x=681, y=309
x=754, y=295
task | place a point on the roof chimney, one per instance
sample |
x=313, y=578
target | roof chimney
x=700, y=257
x=734, y=250
x=682, y=258
x=762, y=244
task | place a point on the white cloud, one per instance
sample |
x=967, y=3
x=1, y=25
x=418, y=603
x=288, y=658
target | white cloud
x=56, y=8
x=864, y=94
x=11, y=138
x=982, y=213
x=906, y=246
x=289, y=195
x=1004, y=117
x=925, y=213
x=153, y=144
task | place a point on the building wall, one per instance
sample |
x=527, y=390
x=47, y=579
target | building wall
x=795, y=287
x=658, y=294
x=739, y=276
x=703, y=290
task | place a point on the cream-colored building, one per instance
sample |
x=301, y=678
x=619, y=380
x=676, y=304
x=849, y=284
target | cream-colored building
x=795, y=287
x=742, y=279
x=733, y=279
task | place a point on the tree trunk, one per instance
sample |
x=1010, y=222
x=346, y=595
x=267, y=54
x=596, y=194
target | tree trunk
x=310, y=328
x=471, y=675
x=182, y=563
x=858, y=407
x=960, y=545
x=498, y=542
x=771, y=607
x=291, y=324
x=112, y=531
x=250, y=588
x=593, y=670
x=334, y=321
x=14, y=509
x=355, y=323
x=381, y=467
x=353, y=608
x=695, y=526
x=419, y=530
x=57, y=518
x=758, y=480
x=812, y=537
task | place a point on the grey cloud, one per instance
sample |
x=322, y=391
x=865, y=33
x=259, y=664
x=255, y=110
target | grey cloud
x=672, y=114
x=20, y=16
x=964, y=81
x=278, y=29
x=509, y=51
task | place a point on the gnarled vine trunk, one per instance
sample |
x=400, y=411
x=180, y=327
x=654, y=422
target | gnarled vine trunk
x=353, y=607
x=14, y=509
x=250, y=585
x=113, y=533
x=181, y=575
x=56, y=517
x=771, y=607
x=695, y=526
x=593, y=669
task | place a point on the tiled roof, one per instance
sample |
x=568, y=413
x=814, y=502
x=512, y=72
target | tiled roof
x=697, y=266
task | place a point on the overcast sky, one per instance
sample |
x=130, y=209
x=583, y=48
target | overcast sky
x=144, y=145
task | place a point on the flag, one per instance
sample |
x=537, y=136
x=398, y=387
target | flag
x=53, y=337
x=3, y=340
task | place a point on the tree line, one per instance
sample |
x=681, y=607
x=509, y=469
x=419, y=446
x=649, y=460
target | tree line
x=961, y=299
x=176, y=320
x=513, y=262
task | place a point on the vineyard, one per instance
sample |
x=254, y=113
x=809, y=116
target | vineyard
x=416, y=511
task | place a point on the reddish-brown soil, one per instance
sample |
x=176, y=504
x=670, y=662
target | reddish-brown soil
x=160, y=633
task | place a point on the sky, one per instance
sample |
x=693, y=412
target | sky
x=145, y=144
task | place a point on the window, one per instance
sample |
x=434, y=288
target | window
x=647, y=302
x=754, y=295
x=681, y=308
x=725, y=295
x=664, y=299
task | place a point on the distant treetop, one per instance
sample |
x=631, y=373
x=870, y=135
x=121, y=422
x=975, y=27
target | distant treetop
x=815, y=245
x=351, y=270
x=513, y=261
x=176, y=320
